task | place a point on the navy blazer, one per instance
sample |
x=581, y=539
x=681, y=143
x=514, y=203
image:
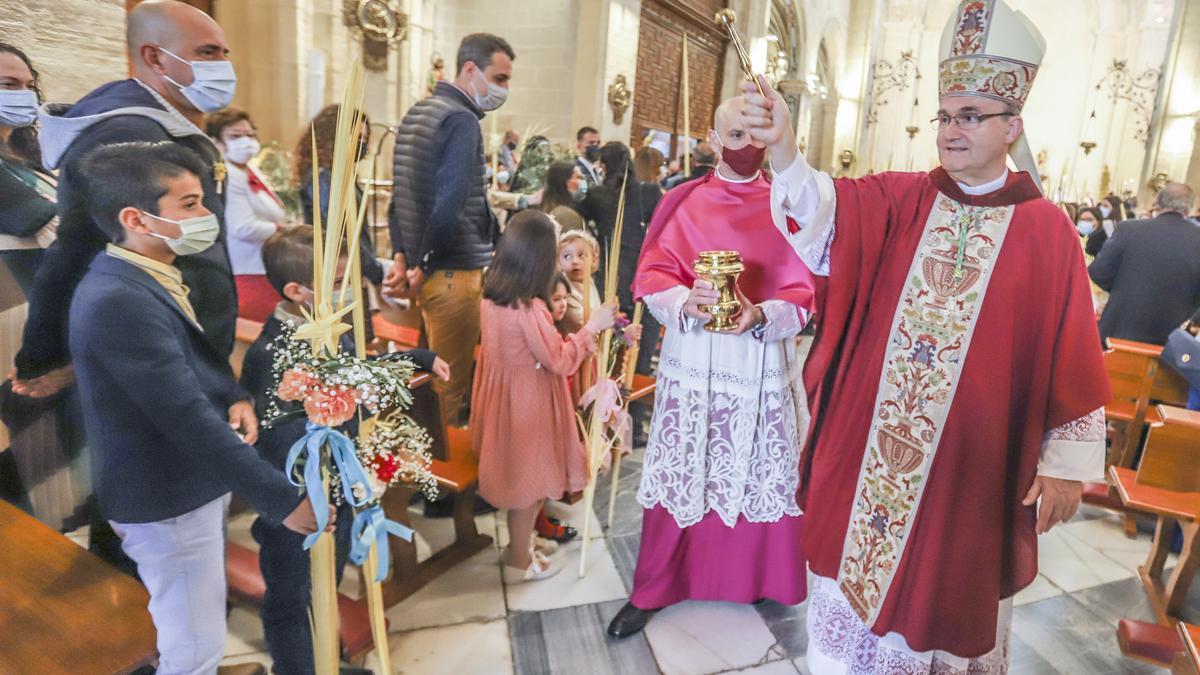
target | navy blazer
x=155, y=397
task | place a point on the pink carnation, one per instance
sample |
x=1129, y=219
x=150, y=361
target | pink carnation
x=296, y=385
x=330, y=406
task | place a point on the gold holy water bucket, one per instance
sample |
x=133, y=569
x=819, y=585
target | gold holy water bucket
x=722, y=269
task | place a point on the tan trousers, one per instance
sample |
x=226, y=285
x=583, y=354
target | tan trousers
x=450, y=307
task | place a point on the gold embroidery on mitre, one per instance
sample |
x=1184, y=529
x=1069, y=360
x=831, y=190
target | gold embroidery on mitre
x=992, y=77
x=931, y=333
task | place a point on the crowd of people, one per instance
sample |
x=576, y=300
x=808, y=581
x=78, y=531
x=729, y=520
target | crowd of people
x=137, y=227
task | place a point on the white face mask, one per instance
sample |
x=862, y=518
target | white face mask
x=494, y=97
x=213, y=83
x=1085, y=227
x=1105, y=210
x=18, y=107
x=242, y=149
x=195, y=234
x=502, y=177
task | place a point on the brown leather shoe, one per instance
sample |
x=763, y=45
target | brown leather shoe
x=243, y=669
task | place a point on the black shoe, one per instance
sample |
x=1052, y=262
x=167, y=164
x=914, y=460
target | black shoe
x=629, y=621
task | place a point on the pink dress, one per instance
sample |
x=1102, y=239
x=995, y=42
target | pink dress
x=522, y=421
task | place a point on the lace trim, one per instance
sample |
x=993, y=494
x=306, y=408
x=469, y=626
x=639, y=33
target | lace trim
x=784, y=320
x=736, y=455
x=816, y=254
x=837, y=634
x=1087, y=429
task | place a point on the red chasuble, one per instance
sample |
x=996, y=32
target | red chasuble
x=709, y=214
x=929, y=550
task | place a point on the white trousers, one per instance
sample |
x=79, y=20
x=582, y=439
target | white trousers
x=182, y=563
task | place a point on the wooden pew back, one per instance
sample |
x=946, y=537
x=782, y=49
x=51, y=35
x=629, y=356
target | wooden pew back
x=1132, y=367
x=1171, y=456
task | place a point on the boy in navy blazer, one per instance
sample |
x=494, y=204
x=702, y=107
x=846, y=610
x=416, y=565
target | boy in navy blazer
x=161, y=408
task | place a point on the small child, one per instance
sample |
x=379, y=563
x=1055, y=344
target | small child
x=558, y=302
x=578, y=258
x=160, y=405
x=288, y=261
x=522, y=421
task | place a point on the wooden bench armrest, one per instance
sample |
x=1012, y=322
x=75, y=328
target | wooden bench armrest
x=1184, y=506
x=1133, y=347
x=1170, y=414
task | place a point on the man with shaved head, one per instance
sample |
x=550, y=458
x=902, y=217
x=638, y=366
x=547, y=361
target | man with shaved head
x=181, y=71
x=956, y=377
x=721, y=467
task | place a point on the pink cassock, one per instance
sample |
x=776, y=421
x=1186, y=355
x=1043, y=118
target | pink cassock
x=710, y=560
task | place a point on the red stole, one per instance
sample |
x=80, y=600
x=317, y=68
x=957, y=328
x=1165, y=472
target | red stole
x=257, y=184
x=1034, y=364
x=713, y=214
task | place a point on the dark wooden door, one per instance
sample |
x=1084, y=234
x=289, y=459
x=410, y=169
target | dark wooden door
x=658, y=88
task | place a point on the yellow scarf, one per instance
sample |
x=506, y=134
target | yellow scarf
x=167, y=276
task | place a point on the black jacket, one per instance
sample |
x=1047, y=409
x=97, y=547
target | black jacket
x=600, y=207
x=258, y=378
x=23, y=210
x=118, y=112
x=439, y=217
x=155, y=400
x=1151, y=268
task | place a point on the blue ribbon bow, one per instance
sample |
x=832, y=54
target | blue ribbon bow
x=372, y=528
x=351, y=471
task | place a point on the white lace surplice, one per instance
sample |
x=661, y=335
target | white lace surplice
x=729, y=418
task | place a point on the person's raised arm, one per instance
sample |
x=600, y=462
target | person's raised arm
x=802, y=200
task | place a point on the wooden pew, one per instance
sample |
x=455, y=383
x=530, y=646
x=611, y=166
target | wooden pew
x=457, y=472
x=1139, y=380
x=1188, y=661
x=62, y=609
x=1167, y=484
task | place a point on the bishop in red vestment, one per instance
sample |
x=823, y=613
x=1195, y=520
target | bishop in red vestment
x=721, y=469
x=956, y=375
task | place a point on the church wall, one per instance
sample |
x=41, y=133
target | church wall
x=76, y=45
x=1082, y=41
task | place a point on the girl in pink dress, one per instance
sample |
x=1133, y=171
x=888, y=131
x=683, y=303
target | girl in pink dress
x=522, y=420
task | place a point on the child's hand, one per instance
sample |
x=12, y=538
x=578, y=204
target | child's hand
x=603, y=317
x=702, y=293
x=633, y=333
x=304, y=521
x=441, y=369
x=242, y=420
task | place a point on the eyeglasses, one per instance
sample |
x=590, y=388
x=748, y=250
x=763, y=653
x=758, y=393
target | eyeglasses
x=966, y=121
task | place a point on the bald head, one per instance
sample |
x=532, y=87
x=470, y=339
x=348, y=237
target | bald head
x=163, y=36
x=165, y=23
x=728, y=116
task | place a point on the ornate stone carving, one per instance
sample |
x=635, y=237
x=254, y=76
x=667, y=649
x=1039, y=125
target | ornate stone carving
x=619, y=98
x=379, y=24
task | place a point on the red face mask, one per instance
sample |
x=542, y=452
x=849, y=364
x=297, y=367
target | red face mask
x=745, y=160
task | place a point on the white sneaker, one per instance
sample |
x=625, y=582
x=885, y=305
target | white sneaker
x=538, y=569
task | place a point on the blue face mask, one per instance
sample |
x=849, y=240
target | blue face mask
x=1085, y=227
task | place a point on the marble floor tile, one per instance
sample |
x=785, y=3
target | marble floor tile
x=257, y=657
x=1072, y=565
x=1024, y=660
x=434, y=534
x=1070, y=637
x=567, y=589
x=572, y=640
x=245, y=633
x=1125, y=599
x=627, y=516
x=788, y=624
x=1108, y=536
x=624, y=551
x=1040, y=589
x=709, y=637
x=469, y=591
x=784, y=667
x=474, y=648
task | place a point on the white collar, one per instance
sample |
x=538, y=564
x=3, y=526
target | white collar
x=986, y=188
x=751, y=179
